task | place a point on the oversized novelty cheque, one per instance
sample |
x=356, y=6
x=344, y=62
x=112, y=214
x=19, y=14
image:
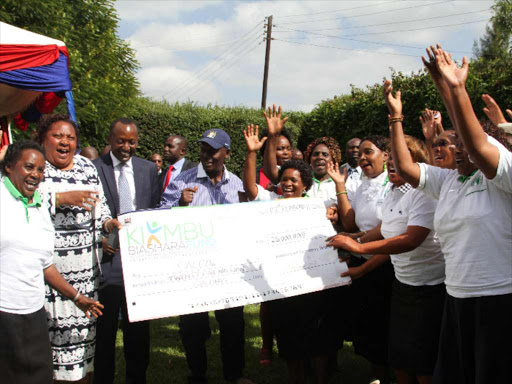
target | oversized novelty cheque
x=197, y=259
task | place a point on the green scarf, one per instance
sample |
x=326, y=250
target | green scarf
x=18, y=196
x=463, y=178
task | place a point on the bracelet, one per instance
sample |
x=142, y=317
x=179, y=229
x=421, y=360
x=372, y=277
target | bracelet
x=396, y=119
x=341, y=193
x=57, y=199
x=76, y=297
x=365, y=232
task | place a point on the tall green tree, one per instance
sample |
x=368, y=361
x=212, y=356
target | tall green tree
x=497, y=41
x=102, y=66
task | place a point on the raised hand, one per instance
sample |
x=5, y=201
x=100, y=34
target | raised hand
x=187, y=195
x=451, y=73
x=428, y=124
x=430, y=64
x=274, y=122
x=334, y=172
x=252, y=140
x=492, y=110
x=394, y=103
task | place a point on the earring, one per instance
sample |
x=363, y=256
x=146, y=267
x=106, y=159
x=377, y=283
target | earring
x=385, y=167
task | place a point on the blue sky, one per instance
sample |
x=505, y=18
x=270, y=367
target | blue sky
x=213, y=51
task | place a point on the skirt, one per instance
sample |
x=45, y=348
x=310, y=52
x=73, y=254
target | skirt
x=25, y=353
x=415, y=323
x=371, y=297
x=474, y=346
x=306, y=325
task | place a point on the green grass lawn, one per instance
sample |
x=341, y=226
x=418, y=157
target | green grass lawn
x=168, y=364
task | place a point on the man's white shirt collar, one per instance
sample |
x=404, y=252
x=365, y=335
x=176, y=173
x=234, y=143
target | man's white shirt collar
x=116, y=161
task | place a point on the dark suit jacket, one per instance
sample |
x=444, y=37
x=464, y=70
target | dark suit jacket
x=147, y=196
x=161, y=177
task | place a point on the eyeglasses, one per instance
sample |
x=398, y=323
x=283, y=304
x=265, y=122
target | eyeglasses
x=441, y=143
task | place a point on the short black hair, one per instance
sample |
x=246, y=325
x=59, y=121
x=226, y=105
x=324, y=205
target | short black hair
x=47, y=121
x=15, y=150
x=381, y=142
x=306, y=174
x=124, y=121
x=182, y=138
x=284, y=133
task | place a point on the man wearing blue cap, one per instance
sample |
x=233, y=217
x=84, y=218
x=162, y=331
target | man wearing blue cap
x=210, y=183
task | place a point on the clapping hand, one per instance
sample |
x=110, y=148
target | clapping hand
x=252, y=140
x=274, y=122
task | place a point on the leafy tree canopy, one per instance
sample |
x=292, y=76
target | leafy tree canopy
x=497, y=41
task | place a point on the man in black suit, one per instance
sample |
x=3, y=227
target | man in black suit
x=175, y=150
x=130, y=183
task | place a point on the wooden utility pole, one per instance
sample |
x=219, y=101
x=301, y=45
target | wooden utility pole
x=267, y=60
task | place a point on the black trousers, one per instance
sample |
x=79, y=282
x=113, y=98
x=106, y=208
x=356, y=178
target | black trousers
x=135, y=338
x=195, y=330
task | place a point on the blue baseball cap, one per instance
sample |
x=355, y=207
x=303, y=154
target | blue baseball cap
x=216, y=138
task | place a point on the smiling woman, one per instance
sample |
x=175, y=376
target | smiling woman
x=79, y=212
x=319, y=154
x=24, y=266
x=305, y=325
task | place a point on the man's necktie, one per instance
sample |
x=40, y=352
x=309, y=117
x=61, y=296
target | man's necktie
x=168, y=177
x=125, y=196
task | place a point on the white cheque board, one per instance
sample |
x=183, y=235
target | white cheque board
x=197, y=259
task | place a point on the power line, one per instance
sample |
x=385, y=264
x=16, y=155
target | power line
x=369, y=14
x=196, y=38
x=346, y=49
x=204, y=68
x=240, y=58
x=420, y=29
x=340, y=10
x=359, y=41
x=391, y=23
x=191, y=49
x=214, y=67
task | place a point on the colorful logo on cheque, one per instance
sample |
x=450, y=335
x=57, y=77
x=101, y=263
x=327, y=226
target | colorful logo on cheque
x=153, y=229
